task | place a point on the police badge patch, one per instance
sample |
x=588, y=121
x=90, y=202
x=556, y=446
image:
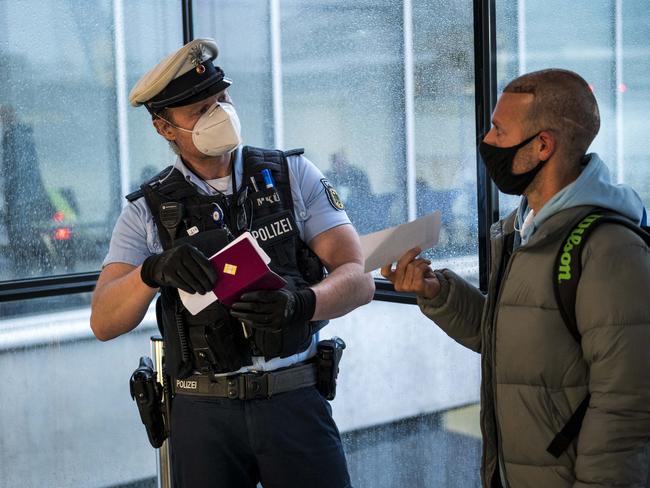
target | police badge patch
x=332, y=196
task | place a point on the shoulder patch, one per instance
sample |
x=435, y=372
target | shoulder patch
x=332, y=196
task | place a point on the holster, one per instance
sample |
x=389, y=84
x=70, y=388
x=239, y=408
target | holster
x=328, y=356
x=147, y=393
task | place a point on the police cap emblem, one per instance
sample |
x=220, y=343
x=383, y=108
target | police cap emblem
x=332, y=196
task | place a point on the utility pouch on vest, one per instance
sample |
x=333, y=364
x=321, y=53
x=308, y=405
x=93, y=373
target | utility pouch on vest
x=265, y=201
x=291, y=339
x=208, y=242
x=147, y=393
x=328, y=356
x=218, y=341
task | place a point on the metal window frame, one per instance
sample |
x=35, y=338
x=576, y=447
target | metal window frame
x=485, y=96
x=48, y=286
x=487, y=195
x=188, y=21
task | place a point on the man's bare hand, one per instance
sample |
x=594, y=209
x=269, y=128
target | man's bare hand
x=413, y=275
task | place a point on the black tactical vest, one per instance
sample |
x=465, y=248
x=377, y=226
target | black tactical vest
x=212, y=341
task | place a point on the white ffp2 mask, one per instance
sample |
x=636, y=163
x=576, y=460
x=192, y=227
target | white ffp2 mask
x=218, y=130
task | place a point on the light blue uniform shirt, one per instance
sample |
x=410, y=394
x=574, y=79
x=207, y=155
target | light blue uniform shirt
x=135, y=236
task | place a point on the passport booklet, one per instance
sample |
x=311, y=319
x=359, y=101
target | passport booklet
x=241, y=266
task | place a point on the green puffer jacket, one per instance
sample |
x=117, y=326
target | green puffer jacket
x=534, y=373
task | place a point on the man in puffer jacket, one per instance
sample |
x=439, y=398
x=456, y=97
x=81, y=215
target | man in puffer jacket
x=534, y=373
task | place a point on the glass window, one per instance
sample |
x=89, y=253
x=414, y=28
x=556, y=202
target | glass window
x=406, y=400
x=71, y=148
x=51, y=92
x=445, y=152
x=66, y=416
x=394, y=111
x=152, y=30
x=241, y=29
x=343, y=99
x=607, y=44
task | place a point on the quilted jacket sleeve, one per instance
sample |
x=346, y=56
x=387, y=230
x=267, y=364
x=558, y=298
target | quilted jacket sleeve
x=457, y=309
x=613, y=314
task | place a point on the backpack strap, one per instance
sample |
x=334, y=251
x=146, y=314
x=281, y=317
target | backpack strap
x=566, y=276
x=568, y=263
x=570, y=431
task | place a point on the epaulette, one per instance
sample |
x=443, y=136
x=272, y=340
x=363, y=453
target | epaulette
x=133, y=196
x=294, y=152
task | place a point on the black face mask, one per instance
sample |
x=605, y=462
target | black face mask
x=498, y=161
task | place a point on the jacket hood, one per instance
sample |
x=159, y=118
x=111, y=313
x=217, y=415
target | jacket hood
x=593, y=188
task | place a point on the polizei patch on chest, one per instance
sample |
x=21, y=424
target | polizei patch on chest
x=274, y=229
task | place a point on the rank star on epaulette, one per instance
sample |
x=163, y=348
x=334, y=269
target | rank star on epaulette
x=332, y=196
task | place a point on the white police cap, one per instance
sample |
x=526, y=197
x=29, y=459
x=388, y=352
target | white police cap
x=184, y=77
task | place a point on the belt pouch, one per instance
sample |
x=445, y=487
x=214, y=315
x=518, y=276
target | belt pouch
x=328, y=356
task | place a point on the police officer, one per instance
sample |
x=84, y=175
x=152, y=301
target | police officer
x=245, y=408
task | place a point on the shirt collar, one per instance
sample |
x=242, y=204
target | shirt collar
x=199, y=183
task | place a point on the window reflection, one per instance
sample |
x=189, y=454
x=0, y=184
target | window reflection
x=343, y=98
x=39, y=220
x=65, y=146
x=444, y=123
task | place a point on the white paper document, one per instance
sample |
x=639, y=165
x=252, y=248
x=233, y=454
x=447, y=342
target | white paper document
x=195, y=302
x=388, y=245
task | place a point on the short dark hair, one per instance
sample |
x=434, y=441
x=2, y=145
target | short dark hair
x=563, y=101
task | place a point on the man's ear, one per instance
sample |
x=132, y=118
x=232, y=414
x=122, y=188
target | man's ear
x=164, y=129
x=548, y=145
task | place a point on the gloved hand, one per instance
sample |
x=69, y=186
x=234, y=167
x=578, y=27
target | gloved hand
x=274, y=310
x=183, y=267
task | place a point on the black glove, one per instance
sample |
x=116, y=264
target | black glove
x=274, y=310
x=183, y=267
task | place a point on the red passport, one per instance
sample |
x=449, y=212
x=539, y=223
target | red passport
x=241, y=268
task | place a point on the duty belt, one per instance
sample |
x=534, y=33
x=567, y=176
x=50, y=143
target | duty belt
x=247, y=386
